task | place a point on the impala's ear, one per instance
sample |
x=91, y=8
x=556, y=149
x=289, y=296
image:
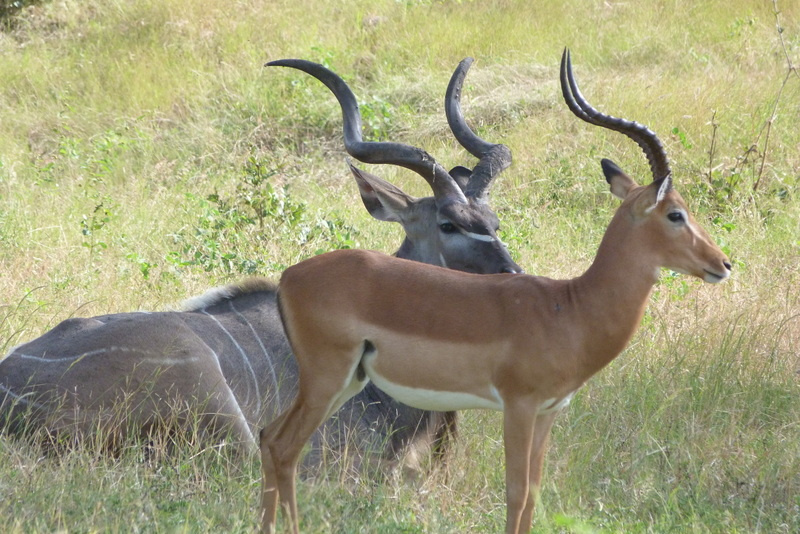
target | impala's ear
x=660, y=189
x=621, y=184
x=663, y=186
x=383, y=201
x=654, y=193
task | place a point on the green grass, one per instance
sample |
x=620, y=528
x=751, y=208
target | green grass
x=137, y=137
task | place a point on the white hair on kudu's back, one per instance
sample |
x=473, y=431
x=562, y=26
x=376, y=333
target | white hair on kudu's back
x=215, y=296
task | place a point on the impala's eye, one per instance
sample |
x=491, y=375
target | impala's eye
x=447, y=227
x=676, y=216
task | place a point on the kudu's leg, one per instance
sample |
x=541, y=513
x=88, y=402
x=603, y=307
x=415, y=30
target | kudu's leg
x=210, y=398
x=223, y=418
x=541, y=433
x=517, y=438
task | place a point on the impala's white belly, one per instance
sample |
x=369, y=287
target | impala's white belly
x=433, y=374
x=441, y=401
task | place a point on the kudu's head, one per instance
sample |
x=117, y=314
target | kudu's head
x=454, y=228
x=657, y=211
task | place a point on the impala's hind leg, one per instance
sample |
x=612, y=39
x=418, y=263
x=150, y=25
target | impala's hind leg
x=281, y=444
x=322, y=389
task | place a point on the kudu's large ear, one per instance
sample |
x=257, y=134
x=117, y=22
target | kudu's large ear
x=621, y=184
x=461, y=175
x=383, y=200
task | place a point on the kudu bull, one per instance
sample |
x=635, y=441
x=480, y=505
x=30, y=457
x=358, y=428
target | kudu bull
x=224, y=362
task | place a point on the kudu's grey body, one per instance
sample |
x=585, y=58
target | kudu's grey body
x=223, y=363
x=226, y=357
x=137, y=371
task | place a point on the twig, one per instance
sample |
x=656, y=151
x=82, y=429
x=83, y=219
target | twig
x=791, y=69
x=713, y=148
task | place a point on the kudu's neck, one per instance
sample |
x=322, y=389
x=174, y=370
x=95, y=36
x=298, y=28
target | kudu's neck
x=409, y=250
x=613, y=293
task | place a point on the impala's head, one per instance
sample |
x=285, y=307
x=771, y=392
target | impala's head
x=455, y=227
x=656, y=212
x=661, y=216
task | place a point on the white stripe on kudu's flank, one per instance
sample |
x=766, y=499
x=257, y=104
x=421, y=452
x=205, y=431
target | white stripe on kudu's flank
x=266, y=356
x=244, y=357
x=21, y=398
x=86, y=354
x=170, y=361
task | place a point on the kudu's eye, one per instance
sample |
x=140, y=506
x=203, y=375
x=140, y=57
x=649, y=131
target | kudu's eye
x=447, y=227
x=676, y=216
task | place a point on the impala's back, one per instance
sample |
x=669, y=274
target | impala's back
x=386, y=312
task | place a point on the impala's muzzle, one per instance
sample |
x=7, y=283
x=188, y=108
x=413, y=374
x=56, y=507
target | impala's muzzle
x=717, y=276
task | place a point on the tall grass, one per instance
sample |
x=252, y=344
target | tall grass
x=134, y=136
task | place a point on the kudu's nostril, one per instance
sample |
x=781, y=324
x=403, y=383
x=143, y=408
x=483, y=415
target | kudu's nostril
x=727, y=265
x=511, y=270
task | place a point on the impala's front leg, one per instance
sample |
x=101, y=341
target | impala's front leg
x=517, y=438
x=541, y=432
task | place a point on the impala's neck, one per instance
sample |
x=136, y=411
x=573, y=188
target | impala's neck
x=613, y=293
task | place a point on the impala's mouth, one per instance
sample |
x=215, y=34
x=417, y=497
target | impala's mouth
x=714, y=278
